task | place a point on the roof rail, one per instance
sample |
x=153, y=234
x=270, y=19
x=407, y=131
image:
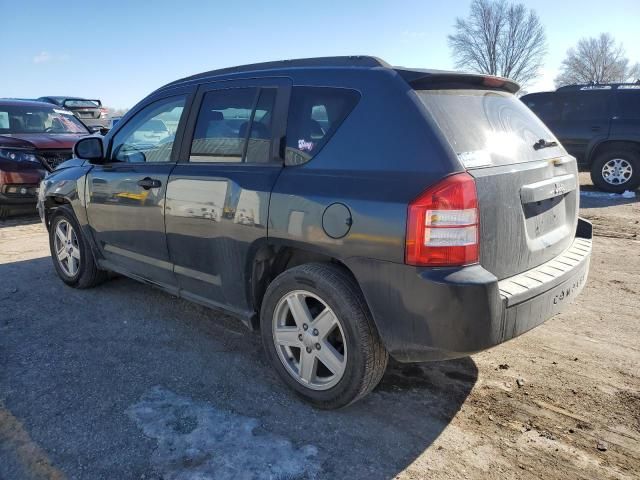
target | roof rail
x=362, y=61
x=599, y=86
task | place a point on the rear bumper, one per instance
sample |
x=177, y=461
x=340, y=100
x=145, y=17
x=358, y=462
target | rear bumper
x=433, y=314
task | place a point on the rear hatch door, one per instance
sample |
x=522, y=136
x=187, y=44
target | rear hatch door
x=527, y=185
x=84, y=109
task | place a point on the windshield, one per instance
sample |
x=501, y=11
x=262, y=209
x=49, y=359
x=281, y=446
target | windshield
x=486, y=127
x=28, y=119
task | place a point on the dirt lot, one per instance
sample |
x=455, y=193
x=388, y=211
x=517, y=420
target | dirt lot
x=124, y=381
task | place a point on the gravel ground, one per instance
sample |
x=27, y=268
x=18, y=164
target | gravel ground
x=124, y=381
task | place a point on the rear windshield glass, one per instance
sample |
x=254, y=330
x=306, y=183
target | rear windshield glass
x=486, y=127
x=80, y=104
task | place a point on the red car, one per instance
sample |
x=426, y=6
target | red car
x=35, y=137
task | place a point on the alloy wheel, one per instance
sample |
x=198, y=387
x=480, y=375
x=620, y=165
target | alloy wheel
x=67, y=248
x=617, y=171
x=309, y=340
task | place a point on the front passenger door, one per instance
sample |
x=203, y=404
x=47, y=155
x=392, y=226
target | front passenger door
x=126, y=195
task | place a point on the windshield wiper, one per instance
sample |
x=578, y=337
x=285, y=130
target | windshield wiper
x=542, y=143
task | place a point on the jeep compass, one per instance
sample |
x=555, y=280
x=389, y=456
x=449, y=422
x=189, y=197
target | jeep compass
x=347, y=209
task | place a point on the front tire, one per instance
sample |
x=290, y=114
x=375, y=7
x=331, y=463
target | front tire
x=71, y=252
x=319, y=336
x=616, y=170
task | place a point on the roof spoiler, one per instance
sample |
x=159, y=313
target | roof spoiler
x=431, y=79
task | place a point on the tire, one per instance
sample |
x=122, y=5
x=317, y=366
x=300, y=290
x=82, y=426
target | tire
x=331, y=297
x=623, y=168
x=82, y=272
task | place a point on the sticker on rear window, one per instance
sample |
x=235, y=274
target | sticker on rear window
x=63, y=112
x=304, y=145
x=475, y=159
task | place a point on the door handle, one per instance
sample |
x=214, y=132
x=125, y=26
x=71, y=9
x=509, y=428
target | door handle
x=148, y=183
x=596, y=128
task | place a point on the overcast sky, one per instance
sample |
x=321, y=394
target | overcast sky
x=119, y=51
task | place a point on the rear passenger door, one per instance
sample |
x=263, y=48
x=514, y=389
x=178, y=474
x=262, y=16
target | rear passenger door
x=218, y=195
x=626, y=122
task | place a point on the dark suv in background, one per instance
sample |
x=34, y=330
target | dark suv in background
x=90, y=112
x=348, y=209
x=600, y=126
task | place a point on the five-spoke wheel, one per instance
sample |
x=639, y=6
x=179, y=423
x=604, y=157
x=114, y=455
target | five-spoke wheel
x=71, y=253
x=67, y=248
x=318, y=334
x=309, y=340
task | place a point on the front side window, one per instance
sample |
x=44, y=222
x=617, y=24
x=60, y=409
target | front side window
x=315, y=113
x=27, y=119
x=149, y=135
x=234, y=125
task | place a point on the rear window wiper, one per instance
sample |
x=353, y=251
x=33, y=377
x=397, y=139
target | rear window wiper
x=542, y=143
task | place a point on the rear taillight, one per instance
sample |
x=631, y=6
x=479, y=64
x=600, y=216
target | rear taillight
x=442, y=224
x=104, y=112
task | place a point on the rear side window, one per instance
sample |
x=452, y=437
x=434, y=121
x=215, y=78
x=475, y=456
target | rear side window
x=486, y=127
x=315, y=113
x=629, y=104
x=584, y=106
x=234, y=125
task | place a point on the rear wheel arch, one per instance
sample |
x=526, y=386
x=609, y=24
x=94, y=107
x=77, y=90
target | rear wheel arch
x=606, y=145
x=269, y=261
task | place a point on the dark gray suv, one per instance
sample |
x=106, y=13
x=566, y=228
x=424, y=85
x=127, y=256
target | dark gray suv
x=348, y=209
x=600, y=126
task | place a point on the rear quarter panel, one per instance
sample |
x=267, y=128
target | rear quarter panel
x=383, y=155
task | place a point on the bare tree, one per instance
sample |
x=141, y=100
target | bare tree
x=597, y=60
x=500, y=38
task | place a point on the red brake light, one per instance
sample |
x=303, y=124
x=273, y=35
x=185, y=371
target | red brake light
x=443, y=224
x=104, y=112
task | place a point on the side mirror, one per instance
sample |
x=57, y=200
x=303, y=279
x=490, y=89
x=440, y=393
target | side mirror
x=89, y=148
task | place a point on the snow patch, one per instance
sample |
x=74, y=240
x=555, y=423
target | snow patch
x=199, y=441
x=592, y=194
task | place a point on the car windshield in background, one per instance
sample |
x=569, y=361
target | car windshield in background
x=155, y=126
x=486, y=127
x=28, y=119
x=80, y=104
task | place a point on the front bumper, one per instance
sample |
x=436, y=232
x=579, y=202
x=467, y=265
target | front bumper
x=439, y=313
x=20, y=187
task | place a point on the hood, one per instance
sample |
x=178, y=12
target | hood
x=41, y=140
